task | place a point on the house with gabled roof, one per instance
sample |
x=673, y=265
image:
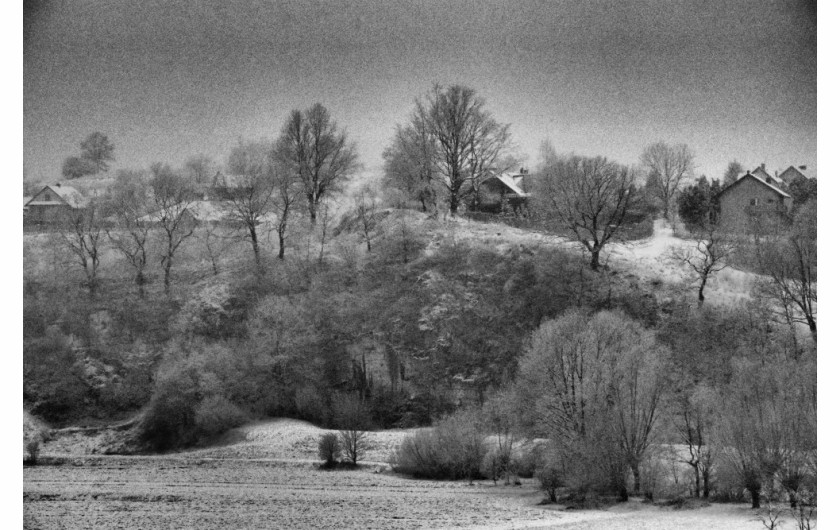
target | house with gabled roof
x=753, y=197
x=503, y=188
x=794, y=172
x=52, y=204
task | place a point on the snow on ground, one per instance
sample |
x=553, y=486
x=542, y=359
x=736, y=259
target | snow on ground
x=265, y=478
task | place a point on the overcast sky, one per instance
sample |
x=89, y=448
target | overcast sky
x=166, y=80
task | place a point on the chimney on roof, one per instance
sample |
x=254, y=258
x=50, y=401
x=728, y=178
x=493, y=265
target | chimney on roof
x=58, y=184
x=762, y=166
x=803, y=168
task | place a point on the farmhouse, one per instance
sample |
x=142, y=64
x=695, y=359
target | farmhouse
x=52, y=204
x=752, y=198
x=792, y=173
x=505, y=188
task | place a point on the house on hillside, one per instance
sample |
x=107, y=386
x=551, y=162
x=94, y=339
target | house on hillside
x=501, y=190
x=792, y=173
x=762, y=173
x=750, y=199
x=51, y=205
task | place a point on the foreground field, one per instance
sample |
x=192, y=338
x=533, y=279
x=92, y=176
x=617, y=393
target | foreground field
x=180, y=492
x=266, y=478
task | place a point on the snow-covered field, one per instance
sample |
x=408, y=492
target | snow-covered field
x=267, y=478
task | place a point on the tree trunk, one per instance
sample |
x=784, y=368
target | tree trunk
x=255, y=244
x=700, y=297
x=755, y=496
x=595, y=262
x=706, y=480
x=812, y=325
x=313, y=211
x=282, y=253
x=140, y=280
x=637, y=477
x=167, y=266
x=453, y=202
x=697, y=481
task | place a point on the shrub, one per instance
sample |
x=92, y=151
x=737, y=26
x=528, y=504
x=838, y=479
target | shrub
x=493, y=466
x=170, y=419
x=329, y=449
x=550, y=477
x=527, y=459
x=311, y=405
x=33, y=449
x=215, y=415
x=53, y=380
x=453, y=449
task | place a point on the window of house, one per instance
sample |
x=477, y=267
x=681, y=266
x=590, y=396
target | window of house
x=770, y=201
x=753, y=202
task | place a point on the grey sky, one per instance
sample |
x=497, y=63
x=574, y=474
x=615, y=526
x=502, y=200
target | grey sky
x=166, y=80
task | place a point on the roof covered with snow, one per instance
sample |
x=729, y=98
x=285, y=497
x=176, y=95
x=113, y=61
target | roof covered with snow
x=759, y=179
x=63, y=195
x=508, y=180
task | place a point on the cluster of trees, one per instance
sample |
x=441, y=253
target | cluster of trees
x=450, y=146
x=309, y=162
x=96, y=152
x=707, y=403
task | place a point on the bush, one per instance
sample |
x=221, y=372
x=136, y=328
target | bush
x=329, y=449
x=453, y=449
x=550, y=477
x=311, y=405
x=33, y=449
x=215, y=415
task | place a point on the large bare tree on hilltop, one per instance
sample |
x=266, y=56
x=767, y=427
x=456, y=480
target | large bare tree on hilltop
x=319, y=154
x=589, y=196
x=465, y=145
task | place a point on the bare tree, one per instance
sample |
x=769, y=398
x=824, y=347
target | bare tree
x=129, y=202
x=367, y=207
x=82, y=233
x=214, y=244
x=170, y=200
x=595, y=384
x=249, y=198
x=694, y=423
x=409, y=163
x=589, y=196
x=469, y=146
x=284, y=200
x=787, y=257
x=320, y=156
x=712, y=248
x=354, y=421
x=668, y=166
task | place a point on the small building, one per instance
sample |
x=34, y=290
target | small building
x=501, y=190
x=792, y=173
x=750, y=199
x=51, y=205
